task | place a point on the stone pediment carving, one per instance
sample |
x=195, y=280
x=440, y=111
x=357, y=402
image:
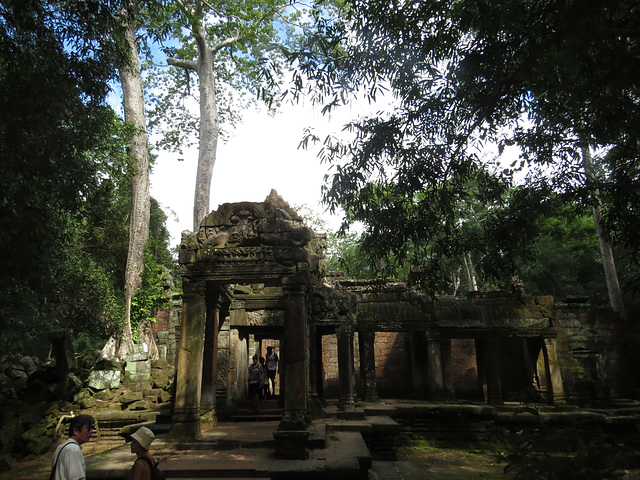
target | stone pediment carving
x=248, y=224
x=263, y=237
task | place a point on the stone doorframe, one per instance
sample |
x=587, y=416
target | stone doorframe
x=244, y=243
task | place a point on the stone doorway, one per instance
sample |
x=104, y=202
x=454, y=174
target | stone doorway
x=237, y=247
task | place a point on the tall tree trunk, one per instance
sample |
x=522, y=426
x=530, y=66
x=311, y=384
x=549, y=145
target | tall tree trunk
x=209, y=131
x=133, y=98
x=209, y=117
x=471, y=276
x=611, y=276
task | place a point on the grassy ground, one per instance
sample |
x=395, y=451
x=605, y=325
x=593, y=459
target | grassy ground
x=422, y=460
x=433, y=462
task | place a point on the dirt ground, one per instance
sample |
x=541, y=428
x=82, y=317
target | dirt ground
x=413, y=463
x=420, y=462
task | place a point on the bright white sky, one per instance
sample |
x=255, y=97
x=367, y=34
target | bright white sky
x=262, y=154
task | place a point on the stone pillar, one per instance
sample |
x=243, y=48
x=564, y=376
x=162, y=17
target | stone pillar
x=436, y=371
x=419, y=362
x=447, y=368
x=366, y=344
x=481, y=367
x=344, y=335
x=555, y=386
x=493, y=371
x=185, y=421
x=314, y=362
x=320, y=364
x=440, y=371
x=237, y=374
x=210, y=356
x=292, y=434
x=223, y=366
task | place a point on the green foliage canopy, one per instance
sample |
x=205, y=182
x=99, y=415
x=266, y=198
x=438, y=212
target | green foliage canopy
x=547, y=77
x=62, y=161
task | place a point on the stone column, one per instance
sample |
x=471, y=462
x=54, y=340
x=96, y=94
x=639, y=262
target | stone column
x=493, y=371
x=447, y=369
x=292, y=434
x=436, y=373
x=237, y=375
x=320, y=364
x=419, y=362
x=345, y=367
x=366, y=343
x=481, y=367
x=210, y=356
x=185, y=421
x=555, y=386
x=314, y=363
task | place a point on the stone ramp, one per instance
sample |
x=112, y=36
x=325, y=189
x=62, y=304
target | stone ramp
x=243, y=450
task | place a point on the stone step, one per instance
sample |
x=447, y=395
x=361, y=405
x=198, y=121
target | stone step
x=269, y=410
x=379, y=432
x=216, y=466
x=255, y=417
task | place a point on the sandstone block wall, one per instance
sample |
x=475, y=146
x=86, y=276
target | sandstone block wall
x=393, y=364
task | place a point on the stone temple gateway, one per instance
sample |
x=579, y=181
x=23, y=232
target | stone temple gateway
x=245, y=243
x=254, y=272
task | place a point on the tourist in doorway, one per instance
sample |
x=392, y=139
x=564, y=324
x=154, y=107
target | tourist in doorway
x=254, y=378
x=143, y=465
x=264, y=389
x=67, y=462
x=273, y=365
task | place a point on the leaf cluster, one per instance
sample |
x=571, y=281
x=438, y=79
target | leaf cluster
x=151, y=295
x=561, y=452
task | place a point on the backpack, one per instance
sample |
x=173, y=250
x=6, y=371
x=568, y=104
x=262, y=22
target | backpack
x=156, y=473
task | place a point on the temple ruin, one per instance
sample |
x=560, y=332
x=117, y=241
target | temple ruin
x=254, y=275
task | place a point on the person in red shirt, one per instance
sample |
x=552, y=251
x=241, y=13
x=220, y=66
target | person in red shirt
x=140, y=443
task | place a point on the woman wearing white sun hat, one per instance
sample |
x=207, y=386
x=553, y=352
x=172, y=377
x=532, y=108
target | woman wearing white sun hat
x=140, y=444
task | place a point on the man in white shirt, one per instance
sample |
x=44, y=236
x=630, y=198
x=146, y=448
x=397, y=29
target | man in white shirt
x=67, y=462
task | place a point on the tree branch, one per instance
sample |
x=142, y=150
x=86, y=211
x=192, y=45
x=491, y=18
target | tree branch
x=186, y=8
x=225, y=43
x=187, y=64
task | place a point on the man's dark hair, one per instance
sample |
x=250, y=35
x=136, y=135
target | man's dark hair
x=80, y=421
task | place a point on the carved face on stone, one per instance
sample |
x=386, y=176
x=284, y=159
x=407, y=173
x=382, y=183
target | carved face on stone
x=242, y=217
